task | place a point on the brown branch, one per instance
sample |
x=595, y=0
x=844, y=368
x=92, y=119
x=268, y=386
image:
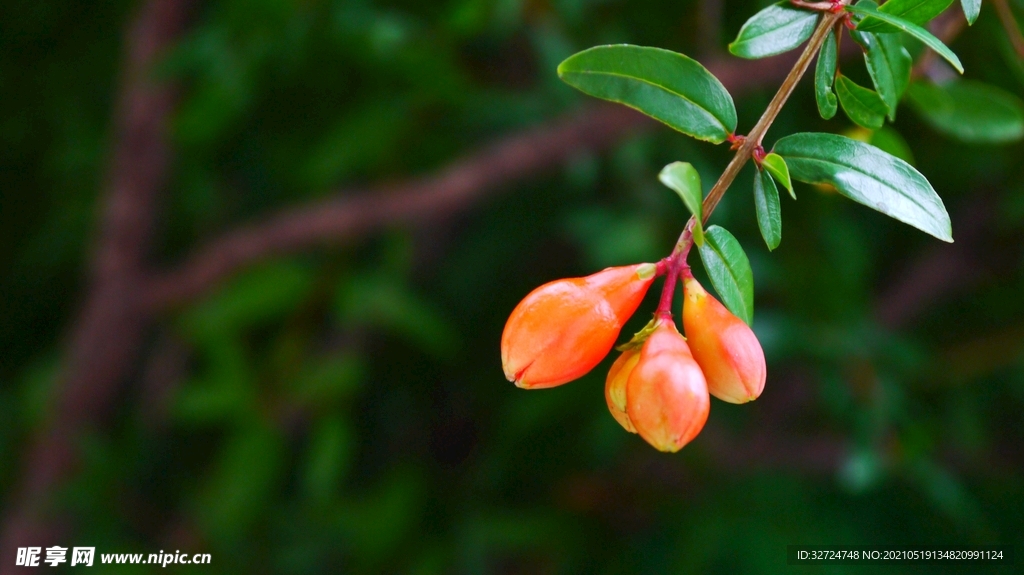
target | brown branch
x=453, y=189
x=106, y=335
x=757, y=133
x=1011, y=26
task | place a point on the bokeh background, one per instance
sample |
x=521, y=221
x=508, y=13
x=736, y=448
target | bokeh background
x=338, y=405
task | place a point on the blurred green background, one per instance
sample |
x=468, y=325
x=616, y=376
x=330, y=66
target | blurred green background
x=344, y=410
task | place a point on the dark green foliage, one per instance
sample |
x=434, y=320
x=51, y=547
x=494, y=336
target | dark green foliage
x=344, y=410
x=729, y=269
x=862, y=106
x=769, y=212
x=970, y=111
x=824, y=77
x=867, y=175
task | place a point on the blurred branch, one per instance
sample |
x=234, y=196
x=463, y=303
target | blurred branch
x=709, y=26
x=452, y=189
x=946, y=27
x=106, y=336
x=1011, y=26
x=940, y=270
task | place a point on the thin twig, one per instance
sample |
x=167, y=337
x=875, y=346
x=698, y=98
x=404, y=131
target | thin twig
x=107, y=334
x=753, y=140
x=1011, y=26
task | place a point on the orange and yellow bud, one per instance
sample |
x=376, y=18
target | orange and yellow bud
x=564, y=328
x=666, y=396
x=724, y=346
x=615, y=386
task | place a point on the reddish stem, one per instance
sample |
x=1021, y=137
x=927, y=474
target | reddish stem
x=676, y=265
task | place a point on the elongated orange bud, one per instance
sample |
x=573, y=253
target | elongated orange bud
x=725, y=347
x=615, y=386
x=666, y=395
x=564, y=328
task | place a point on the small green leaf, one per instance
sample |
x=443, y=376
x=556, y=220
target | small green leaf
x=871, y=14
x=769, y=212
x=888, y=64
x=914, y=11
x=971, y=10
x=970, y=111
x=776, y=29
x=864, y=107
x=825, y=76
x=729, y=270
x=685, y=181
x=776, y=166
x=665, y=85
x=869, y=176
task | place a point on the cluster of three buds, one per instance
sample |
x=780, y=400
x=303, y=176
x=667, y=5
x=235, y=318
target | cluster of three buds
x=659, y=387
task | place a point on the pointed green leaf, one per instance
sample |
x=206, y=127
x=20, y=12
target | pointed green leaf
x=684, y=179
x=665, y=85
x=970, y=111
x=776, y=166
x=769, y=212
x=889, y=65
x=825, y=76
x=914, y=11
x=869, y=176
x=902, y=25
x=776, y=29
x=971, y=9
x=729, y=269
x=864, y=107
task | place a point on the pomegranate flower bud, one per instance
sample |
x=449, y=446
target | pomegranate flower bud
x=615, y=386
x=666, y=395
x=725, y=347
x=564, y=328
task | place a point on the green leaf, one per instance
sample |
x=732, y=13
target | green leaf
x=914, y=11
x=776, y=29
x=864, y=107
x=970, y=111
x=684, y=179
x=776, y=166
x=971, y=9
x=729, y=270
x=889, y=65
x=869, y=176
x=825, y=76
x=665, y=85
x=769, y=212
x=908, y=27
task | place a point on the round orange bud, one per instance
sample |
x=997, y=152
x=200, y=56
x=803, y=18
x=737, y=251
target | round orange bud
x=615, y=386
x=564, y=328
x=666, y=395
x=724, y=345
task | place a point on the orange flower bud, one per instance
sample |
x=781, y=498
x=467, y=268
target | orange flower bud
x=666, y=395
x=564, y=328
x=615, y=386
x=725, y=347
